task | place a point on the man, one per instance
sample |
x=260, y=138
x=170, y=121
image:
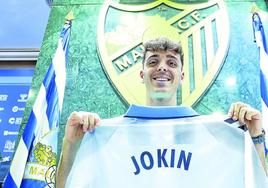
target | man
x=162, y=74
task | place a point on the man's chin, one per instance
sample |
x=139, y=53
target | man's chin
x=162, y=84
x=161, y=95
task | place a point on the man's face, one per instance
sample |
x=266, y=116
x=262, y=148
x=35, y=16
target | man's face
x=162, y=73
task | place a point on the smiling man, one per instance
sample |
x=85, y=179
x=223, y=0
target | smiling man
x=162, y=74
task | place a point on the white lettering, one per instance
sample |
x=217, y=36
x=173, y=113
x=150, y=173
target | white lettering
x=9, y=145
x=6, y=133
x=23, y=98
x=3, y=97
x=183, y=24
x=16, y=108
x=196, y=15
x=11, y=120
x=18, y=121
x=122, y=64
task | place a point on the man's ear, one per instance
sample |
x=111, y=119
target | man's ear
x=142, y=76
x=182, y=75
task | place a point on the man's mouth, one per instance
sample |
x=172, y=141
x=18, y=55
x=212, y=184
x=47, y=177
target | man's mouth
x=162, y=78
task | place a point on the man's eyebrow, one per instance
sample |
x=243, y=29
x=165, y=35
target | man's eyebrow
x=154, y=55
x=172, y=56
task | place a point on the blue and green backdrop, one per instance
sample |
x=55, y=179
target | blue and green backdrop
x=221, y=58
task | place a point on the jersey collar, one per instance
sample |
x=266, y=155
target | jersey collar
x=165, y=112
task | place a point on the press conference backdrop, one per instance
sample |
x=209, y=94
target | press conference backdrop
x=14, y=92
x=89, y=84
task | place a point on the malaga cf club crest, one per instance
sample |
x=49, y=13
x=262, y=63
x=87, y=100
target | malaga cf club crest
x=202, y=29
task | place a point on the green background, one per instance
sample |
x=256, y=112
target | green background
x=88, y=88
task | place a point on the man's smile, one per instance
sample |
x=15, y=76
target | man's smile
x=161, y=78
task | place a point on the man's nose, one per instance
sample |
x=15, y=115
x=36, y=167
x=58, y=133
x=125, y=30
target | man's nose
x=162, y=67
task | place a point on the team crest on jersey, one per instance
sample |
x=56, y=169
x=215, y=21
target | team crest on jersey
x=202, y=29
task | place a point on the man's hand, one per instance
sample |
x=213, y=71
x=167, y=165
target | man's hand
x=78, y=124
x=245, y=114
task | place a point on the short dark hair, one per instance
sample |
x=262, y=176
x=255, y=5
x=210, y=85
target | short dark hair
x=162, y=44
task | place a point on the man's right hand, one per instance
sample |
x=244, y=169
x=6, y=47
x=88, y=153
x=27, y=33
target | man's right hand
x=78, y=124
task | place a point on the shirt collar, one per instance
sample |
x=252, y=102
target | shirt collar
x=166, y=112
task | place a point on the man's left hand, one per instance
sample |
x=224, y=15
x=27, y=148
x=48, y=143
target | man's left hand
x=248, y=115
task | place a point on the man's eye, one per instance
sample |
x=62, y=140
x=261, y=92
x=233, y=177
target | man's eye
x=172, y=64
x=152, y=62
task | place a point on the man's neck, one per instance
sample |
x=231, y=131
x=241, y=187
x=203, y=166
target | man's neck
x=162, y=101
